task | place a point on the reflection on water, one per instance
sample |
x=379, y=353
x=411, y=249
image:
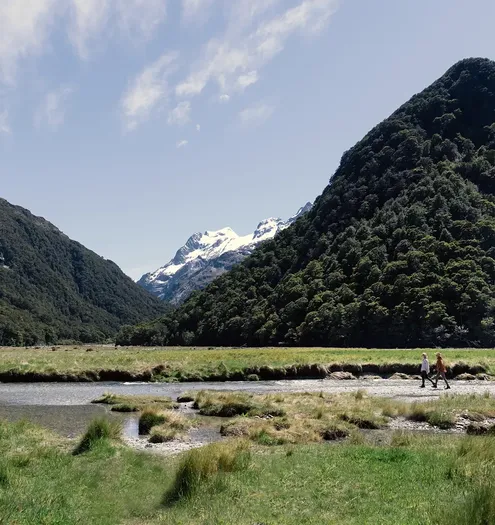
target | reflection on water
x=131, y=427
x=68, y=421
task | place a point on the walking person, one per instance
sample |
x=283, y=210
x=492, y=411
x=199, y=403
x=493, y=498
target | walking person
x=441, y=370
x=425, y=371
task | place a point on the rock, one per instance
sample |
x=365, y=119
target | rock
x=484, y=377
x=399, y=375
x=371, y=377
x=342, y=376
x=466, y=377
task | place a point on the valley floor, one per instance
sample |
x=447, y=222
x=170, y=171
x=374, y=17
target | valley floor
x=414, y=479
x=106, y=363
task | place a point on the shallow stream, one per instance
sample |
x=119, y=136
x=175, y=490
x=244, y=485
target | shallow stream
x=66, y=407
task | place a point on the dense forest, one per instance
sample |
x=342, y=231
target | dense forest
x=53, y=289
x=398, y=251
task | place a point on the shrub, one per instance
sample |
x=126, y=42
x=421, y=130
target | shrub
x=198, y=466
x=99, y=430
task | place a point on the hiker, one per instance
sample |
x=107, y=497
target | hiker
x=441, y=370
x=425, y=370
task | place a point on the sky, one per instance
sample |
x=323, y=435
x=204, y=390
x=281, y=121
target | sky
x=132, y=124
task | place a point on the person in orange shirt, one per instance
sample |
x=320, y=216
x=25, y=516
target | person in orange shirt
x=441, y=370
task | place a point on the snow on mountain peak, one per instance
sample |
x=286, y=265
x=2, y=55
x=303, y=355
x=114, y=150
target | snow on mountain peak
x=203, y=248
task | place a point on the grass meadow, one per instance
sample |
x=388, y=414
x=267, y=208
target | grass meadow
x=415, y=480
x=187, y=364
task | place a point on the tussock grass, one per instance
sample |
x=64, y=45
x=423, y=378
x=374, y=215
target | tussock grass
x=364, y=421
x=347, y=483
x=186, y=397
x=199, y=466
x=4, y=475
x=230, y=404
x=122, y=403
x=150, y=418
x=98, y=432
x=473, y=468
x=173, y=427
x=305, y=418
x=443, y=412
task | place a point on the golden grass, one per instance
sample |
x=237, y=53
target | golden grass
x=275, y=419
x=197, y=363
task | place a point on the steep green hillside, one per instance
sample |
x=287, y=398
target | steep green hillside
x=399, y=250
x=52, y=288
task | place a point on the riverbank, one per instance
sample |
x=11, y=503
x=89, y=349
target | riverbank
x=102, y=363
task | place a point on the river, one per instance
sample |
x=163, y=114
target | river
x=66, y=407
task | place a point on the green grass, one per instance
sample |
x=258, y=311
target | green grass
x=342, y=484
x=183, y=364
x=99, y=433
x=44, y=484
x=420, y=480
x=199, y=466
x=123, y=403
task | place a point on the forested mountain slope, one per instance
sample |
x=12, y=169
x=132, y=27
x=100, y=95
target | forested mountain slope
x=52, y=288
x=399, y=250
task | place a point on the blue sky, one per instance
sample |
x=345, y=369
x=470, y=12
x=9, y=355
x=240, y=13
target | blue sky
x=131, y=124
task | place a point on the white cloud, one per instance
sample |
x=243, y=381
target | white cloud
x=4, y=123
x=195, y=10
x=224, y=97
x=148, y=91
x=51, y=112
x=24, y=30
x=198, y=128
x=93, y=18
x=141, y=17
x=89, y=17
x=256, y=114
x=180, y=115
x=181, y=144
x=27, y=25
x=250, y=44
x=244, y=81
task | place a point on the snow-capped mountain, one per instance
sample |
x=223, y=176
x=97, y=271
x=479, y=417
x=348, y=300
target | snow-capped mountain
x=205, y=256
